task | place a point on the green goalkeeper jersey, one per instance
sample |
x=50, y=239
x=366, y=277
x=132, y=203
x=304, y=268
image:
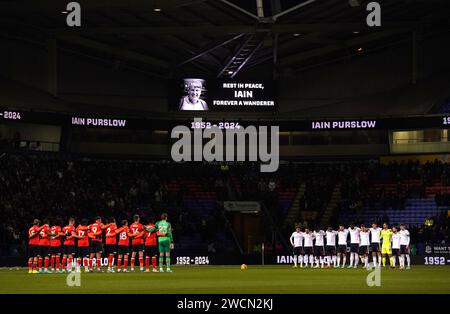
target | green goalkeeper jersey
x=164, y=229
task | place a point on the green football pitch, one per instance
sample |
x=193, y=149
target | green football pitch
x=230, y=279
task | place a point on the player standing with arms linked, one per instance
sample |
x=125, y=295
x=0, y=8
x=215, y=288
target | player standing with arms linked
x=318, y=247
x=137, y=243
x=375, y=232
x=111, y=240
x=386, y=249
x=354, y=246
x=55, y=245
x=395, y=246
x=165, y=241
x=331, y=246
x=44, y=246
x=33, y=246
x=296, y=240
x=151, y=250
x=95, y=234
x=68, y=245
x=364, y=235
x=404, y=247
x=123, y=248
x=342, y=246
x=81, y=233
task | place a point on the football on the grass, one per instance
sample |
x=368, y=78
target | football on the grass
x=243, y=267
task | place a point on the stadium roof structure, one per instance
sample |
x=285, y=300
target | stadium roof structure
x=221, y=38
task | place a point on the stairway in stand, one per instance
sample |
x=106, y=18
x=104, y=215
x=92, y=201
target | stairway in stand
x=293, y=213
x=331, y=207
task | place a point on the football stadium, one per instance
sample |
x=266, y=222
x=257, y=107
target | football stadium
x=225, y=147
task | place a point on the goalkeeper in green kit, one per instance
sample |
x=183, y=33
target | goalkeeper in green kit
x=165, y=241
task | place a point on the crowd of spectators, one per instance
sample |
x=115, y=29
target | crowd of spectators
x=46, y=185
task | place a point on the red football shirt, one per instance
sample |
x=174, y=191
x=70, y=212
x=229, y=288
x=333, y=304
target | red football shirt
x=44, y=237
x=82, y=231
x=111, y=234
x=55, y=241
x=67, y=230
x=94, y=228
x=150, y=237
x=137, y=228
x=31, y=232
x=124, y=239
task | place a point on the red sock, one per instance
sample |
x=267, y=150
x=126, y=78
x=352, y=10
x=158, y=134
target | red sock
x=90, y=263
x=119, y=262
x=125, y=262
x=64, y=261
x=52, y=262
x=46, y=261
x=110, y=260
x=30, y=264
x=147, y=262
x=154, y=261
x=58, y=259
x=141, y=262
x=70, y=262
x=40, y=262
x=35, y=261
x=132, y=262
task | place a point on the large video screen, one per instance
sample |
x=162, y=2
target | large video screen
x=198, y=94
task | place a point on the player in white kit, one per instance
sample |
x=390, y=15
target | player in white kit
x=308, y=238
x=331, y=246
x=354, y=246
x=318, y=247
x=404, y=247
x=296, y=240
x=364, y=244
x=395, y=239
x=342, y=246
x=375, y=233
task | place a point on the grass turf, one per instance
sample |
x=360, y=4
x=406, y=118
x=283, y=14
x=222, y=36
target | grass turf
x=230, y=279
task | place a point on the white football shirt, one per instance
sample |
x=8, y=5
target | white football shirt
x=342, y=237
x=309, y=237
x=354, y=235
x=296, y=239
x=364, y=236
x=396, y=240
x=319, y=237
x=404, y=237
x=375, y=234
x=331, y=237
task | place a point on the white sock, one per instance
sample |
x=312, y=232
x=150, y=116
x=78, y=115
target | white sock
x=316, y=260
x=321, y=261
x=393, y=260
x=402, y=260
x=375, y=264
x=351, y=259
x=356, y=259
x=338, y=260
x=334, y=260
x=328, y=260
x=311, y=260
x=366, y=261
x=408, y=260
x=301, y=260
x=379, y=260
x=295, y=260
x=305, y=260
x=344, y=260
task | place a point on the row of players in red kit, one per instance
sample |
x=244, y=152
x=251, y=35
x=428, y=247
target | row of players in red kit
x=82, y=246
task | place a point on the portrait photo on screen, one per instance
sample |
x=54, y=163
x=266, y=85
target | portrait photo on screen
x=194, y=95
